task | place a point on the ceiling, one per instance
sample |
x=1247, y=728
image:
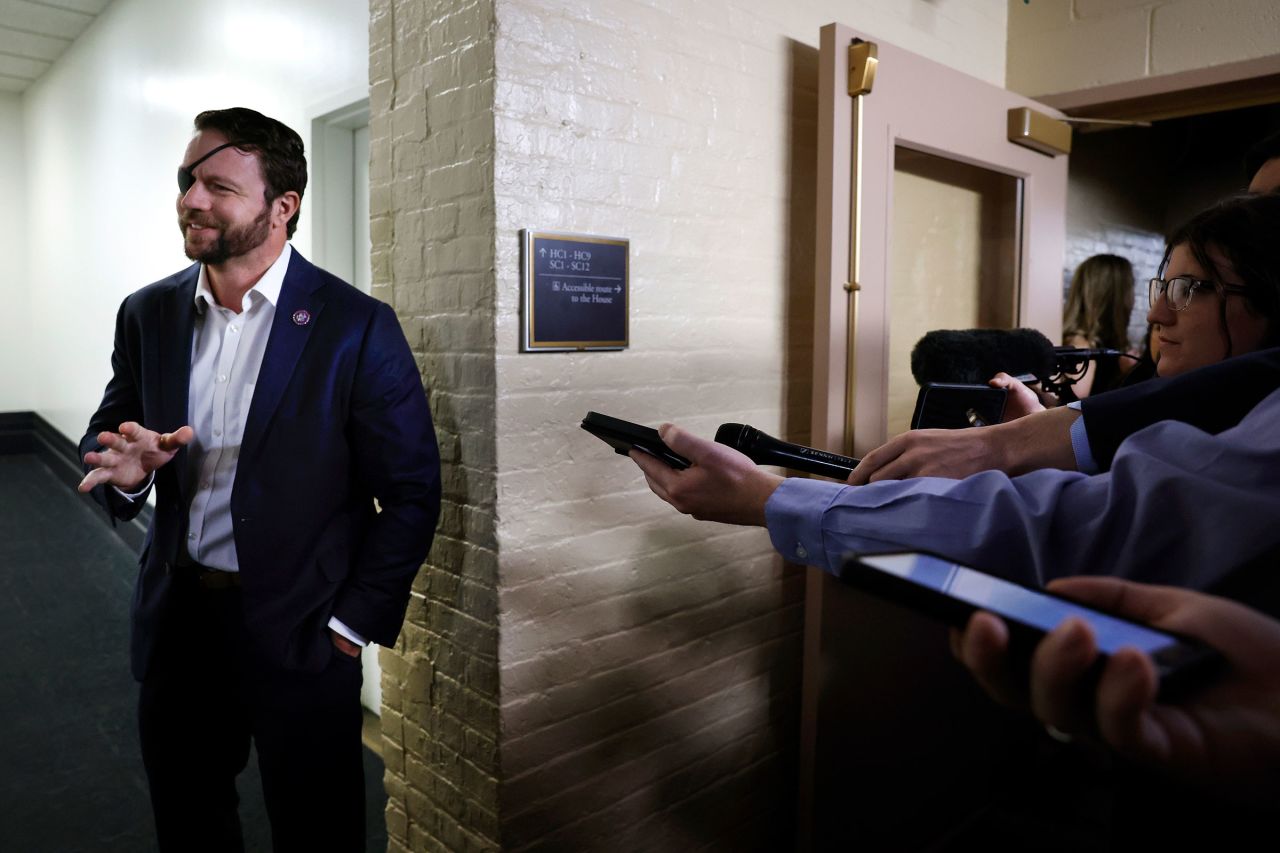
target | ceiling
x=34, y=33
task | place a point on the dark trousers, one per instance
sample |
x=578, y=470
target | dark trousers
x=206, y=694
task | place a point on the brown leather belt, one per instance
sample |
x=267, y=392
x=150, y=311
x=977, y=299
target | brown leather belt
x=216, y=579
x=207, y=578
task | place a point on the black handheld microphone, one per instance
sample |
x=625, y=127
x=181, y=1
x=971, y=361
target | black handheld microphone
x=764, y=449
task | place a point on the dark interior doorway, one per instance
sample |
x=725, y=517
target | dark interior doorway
x=1130, y=186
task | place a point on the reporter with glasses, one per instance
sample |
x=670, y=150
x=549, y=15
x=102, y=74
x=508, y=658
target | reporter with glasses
x=1202, y=257
x=1216, y=297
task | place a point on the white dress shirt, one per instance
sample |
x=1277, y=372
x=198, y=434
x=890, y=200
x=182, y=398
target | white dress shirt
x=226, y=357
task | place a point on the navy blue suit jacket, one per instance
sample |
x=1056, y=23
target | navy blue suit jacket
x=1212, y=398
x=338, y=418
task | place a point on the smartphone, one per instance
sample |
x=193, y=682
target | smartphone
x=951, y=592
x=941, y=405
x=623, y=436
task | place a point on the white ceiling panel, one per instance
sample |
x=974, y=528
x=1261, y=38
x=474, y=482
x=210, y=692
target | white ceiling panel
x=23, y=45
x=27, y=69
x=34, y=33
x=91, y=7
x=42, y=18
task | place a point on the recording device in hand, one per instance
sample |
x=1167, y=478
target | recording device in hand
x=764, y=449
x=952, y=592
x=624, y=436
x=973, y=356
x=941, y=405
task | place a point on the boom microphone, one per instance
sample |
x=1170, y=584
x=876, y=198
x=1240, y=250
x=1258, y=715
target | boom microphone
x=764, y=449
x=972, y=356
x=1072, y=360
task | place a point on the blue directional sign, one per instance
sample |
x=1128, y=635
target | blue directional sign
x=575, y=292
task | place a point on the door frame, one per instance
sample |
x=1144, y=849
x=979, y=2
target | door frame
x=333, y=182
x=906, y=107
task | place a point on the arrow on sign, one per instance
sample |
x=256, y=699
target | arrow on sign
x=617, y=288
x=542, y=252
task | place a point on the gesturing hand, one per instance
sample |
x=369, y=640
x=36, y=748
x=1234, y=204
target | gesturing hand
x=721, y=485
x=130, y=455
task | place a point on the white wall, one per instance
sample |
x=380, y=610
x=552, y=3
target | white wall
x=15, y=385
x=650, y=663
x=105, y=130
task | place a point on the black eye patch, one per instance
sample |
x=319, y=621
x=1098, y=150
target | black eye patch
x=187, y=174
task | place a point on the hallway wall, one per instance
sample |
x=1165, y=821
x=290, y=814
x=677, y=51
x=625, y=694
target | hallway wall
x=582, y=668
x=104, y=131
x=15, y=387
x=650, y=664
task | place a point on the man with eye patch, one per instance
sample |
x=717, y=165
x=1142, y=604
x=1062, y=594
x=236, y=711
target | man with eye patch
x=280, y=419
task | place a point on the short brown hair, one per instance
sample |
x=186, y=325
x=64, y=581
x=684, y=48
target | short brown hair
x=278, y=146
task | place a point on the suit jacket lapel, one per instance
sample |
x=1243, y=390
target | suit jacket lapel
x=176, y=330
x=296, y=314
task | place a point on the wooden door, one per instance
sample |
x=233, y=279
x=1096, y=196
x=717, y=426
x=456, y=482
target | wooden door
x=928, y=217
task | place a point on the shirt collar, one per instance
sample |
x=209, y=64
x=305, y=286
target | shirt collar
x=268, y=287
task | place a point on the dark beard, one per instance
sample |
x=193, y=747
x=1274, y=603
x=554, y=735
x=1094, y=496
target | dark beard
x=231, y=242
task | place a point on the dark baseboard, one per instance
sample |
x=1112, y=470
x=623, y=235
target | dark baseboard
x=27, y=432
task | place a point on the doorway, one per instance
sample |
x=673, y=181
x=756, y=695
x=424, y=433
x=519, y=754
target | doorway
x=340, y=206
x=340, y=194
x=1128, y=187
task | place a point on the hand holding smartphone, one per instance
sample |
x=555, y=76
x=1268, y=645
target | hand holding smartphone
x=952, y=593
x=624, y=436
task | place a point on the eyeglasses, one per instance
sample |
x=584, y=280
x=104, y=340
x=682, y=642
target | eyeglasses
x=1179, y=290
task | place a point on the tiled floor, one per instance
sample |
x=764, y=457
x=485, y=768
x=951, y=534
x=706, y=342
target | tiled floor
x=70, y=773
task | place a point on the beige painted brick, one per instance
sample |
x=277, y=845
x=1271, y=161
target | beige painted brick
x=393, y=783
x=555, y=685
x=1087, y=9
x=417, y=740
x=644, y=756
x=622, y=716
x=1201, y=33
x=397, y=823
x=1029, y=19
x=1083, y=54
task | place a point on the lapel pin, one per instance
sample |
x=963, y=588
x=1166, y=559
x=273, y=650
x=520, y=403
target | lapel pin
x=301, y=317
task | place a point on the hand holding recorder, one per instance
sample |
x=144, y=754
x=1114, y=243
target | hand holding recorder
x=710, y=481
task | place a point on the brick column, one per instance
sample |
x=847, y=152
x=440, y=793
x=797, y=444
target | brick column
x=431, y=74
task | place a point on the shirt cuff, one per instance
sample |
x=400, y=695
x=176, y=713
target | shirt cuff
x=1085, y=461
x=142, y=490
x=794, y=514
x=336, y=624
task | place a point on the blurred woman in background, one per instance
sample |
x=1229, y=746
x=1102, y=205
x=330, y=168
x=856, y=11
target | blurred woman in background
x=1097, y=317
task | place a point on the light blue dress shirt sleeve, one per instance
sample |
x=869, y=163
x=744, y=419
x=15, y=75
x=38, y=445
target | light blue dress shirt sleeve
x=1179, y=506
x=1085, y=461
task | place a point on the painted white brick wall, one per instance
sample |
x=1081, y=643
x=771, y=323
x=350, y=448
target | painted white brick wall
x=649, y=663
x=1065, y=45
